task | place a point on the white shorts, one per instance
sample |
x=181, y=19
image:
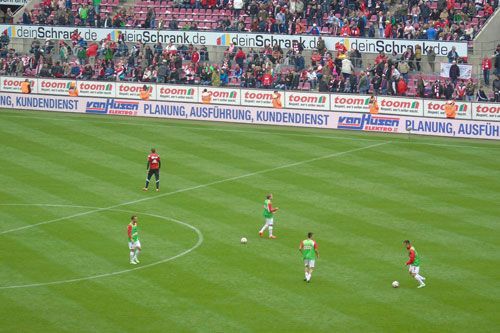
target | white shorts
x=309, y=263
x=133, y=245
x=414, y=269
x=269, y=221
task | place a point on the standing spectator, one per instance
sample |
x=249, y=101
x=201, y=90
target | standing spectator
x=26, y=87
x=418, y=56
x=4, y=39
x=497, y=60
x=195, y=56
x=97, y=6
x=454, y=73
x=174, y=24
x=453, y=55
x=9, y=16
x=486, y=66
x=449, y=89
x=240, y=57
x=431, y=58
x=403, y=70
x=420, y=87
x=496, y=88
x=450, y=109
x=364, y=83
x=347, y=68
x=83, y=13
x=437, y=90
x=470, y=90
x=26, y=17
x=238, y=6
x=108, y=21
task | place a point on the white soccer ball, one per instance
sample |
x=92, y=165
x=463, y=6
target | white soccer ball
x=395, y=284
x=243, y=240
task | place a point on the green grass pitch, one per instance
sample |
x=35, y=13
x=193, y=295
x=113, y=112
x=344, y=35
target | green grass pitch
x=64, y=262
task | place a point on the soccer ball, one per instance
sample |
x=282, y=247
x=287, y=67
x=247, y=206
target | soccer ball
x=243, y=240
x=395, y=284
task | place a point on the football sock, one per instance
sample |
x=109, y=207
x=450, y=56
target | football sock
x=419, y=279
x=131, y=255
x=158, y=184
x=270, y=230
x=147, y=183
x=136, y=254
x=263, y=228
x=306, y=275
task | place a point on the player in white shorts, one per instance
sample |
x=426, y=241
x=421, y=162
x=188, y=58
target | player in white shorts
x=134, y=244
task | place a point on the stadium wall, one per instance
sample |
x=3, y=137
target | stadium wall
x=301, y=109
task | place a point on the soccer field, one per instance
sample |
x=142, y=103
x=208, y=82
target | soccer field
x=71, y=182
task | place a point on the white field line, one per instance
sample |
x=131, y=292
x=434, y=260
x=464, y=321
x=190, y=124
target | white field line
x=284, y=166
x=98, y=276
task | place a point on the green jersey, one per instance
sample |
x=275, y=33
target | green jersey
x=133, y=235
x=308, y=248
x=268, y=214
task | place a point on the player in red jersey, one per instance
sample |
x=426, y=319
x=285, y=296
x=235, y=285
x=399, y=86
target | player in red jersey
x=153, y=166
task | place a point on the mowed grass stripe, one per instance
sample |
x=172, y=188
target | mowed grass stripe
x=55, y=177
x=214, y=230
x=359, y=224
x=96, y=244
x=257, y=129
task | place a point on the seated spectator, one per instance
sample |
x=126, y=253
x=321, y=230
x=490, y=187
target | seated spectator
x=224, y=78
x=312, y=79
x=314, y=30
x=57, y=70
x=75, y=71
x=481, y=95
x=109, y=72
x=44, y=71
x=402, y=87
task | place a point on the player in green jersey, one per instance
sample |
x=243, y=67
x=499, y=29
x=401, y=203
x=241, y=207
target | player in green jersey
x=134, y=244
x=268, y=216
x=309, y=249
x=414, y=264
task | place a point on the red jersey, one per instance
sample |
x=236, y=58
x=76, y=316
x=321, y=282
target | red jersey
x=153, y=161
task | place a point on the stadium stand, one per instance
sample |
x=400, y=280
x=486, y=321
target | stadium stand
x=439, y=20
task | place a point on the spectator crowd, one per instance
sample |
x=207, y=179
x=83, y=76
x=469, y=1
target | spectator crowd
x=410, y=19
x=341, y=70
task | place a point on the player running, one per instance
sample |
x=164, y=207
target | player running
x=134, y=244
x=414, y=263
x=268, y=216
x=309, y=249
x=153, y=166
